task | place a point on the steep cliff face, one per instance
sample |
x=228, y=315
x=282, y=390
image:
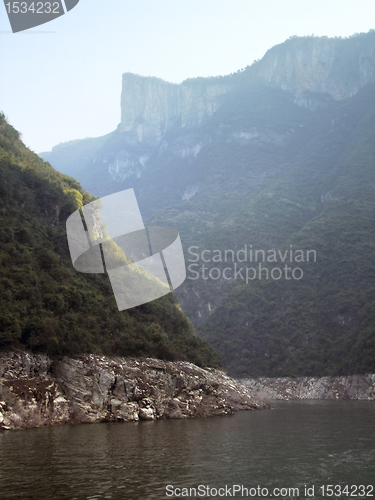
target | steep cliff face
x=150, y=106
x=312, y=69
x=322, y=65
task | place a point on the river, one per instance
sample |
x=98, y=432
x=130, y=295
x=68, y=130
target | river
x=297, y=444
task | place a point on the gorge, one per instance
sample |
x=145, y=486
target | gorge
x=277, y=155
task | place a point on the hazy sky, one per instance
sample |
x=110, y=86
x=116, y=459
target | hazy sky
x=62, y=80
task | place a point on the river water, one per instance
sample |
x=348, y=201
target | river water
x=296, y=444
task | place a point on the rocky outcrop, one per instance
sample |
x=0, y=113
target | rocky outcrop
x=151, y=106
x=36, y=390
x=321, y=65
x=358, y=387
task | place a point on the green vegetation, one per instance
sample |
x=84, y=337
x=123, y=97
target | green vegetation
x=307, y=179
x=45, y=304
x=278, y=165
x=324, y=200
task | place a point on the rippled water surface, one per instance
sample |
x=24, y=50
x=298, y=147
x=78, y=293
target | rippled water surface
x=292, y=445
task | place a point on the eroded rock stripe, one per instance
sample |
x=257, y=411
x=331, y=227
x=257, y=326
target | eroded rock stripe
x=357, y=387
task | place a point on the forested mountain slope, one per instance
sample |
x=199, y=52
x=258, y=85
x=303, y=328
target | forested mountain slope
x=45, y=304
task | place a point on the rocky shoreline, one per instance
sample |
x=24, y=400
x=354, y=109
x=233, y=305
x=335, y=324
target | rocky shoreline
x=36, y=390
x=357, y=387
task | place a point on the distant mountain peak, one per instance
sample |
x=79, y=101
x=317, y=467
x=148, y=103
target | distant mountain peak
x=338, y=67
x=151, y=106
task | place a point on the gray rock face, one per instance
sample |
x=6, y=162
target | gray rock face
x=319, y=64
x=151, y=106
x=36, y=391
x=358, y=387
x=337, y=67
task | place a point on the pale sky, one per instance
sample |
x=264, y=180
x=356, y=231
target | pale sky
x=62, y=80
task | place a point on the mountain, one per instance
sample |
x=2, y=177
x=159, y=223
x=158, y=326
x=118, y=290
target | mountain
x=45, y=304
x=167, y=126
x=68, y=154
x=272, y=166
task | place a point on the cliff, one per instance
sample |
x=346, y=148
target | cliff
x=334, y=66
x=36, y=390
x=338, y=67
x=312, y=69
x=150, y=106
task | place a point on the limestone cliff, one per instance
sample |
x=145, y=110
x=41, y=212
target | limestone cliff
x=151, y=106
x=339, y=67
x=334, y=66
x=313, y=69
x=36, y=390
